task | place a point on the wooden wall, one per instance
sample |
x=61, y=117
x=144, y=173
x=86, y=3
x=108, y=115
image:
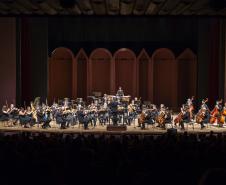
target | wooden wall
x=159, y=77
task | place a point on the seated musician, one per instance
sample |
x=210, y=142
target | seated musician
x=223, y=115
x=60, y=118
x=151, y=115
x=24, y=119
x=14, y=113
x=5, y=113
x=219, y=105
x=29, y=115
x=206, y=116
x=46, y=119
x=204, y=105
x=120, y=92
x=93, y=113
x=185, y=116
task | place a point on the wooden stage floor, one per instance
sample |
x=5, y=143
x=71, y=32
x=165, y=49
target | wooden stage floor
x=150, y=130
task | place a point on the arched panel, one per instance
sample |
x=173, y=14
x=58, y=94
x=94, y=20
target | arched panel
x=164, y=78
x=100, y=71
x=186, y=63
x=60, y=74
x=144, y=81
x=125, y=71
x=82, y=65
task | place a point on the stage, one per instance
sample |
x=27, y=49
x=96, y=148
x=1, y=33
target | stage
x=99, y=130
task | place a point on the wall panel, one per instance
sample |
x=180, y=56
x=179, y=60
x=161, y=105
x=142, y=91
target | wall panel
x=187, y=74
x=164, y=78
x=60, y=74
x=144, y=82
x=100, y=71
x=82, y=65
x=126, y=71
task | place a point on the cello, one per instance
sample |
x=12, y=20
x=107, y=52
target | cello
x=201, y=114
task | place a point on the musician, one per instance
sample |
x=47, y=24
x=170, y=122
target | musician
x=120, y=92
x=83, y=118
x=206, y=116
x=46, y=119
x=164, y=116
x=5, y=113
x=190, y=105
x=114, y=111
x=150, y=116
x=215, y=113
x=24, y=119
x=204, y=105
x=162, y=109
x=185, y=116
x=29, y=116
x=131, y=112
x=60, y=118
x=223, y=116
x=13, y=113
x=219, y=105
x=93, y=114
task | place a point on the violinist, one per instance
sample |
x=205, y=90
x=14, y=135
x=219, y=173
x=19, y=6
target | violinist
x=46, y=118
x=5, y=114
x=60, y=118
x=24, y=120
x=29, y=116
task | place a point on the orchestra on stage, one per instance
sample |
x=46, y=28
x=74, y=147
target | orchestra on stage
x=111, y=110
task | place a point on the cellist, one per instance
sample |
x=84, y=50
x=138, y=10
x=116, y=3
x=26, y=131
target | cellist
x=223, y=116
x=204, y=114
x=215, y=113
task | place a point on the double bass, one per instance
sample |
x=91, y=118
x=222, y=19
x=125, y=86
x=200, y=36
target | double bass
x=215, y=115
x=223, y=116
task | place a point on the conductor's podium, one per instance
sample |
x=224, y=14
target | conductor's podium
x=116, y=128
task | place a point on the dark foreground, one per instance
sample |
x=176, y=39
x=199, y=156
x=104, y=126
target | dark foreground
x=61, y=159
